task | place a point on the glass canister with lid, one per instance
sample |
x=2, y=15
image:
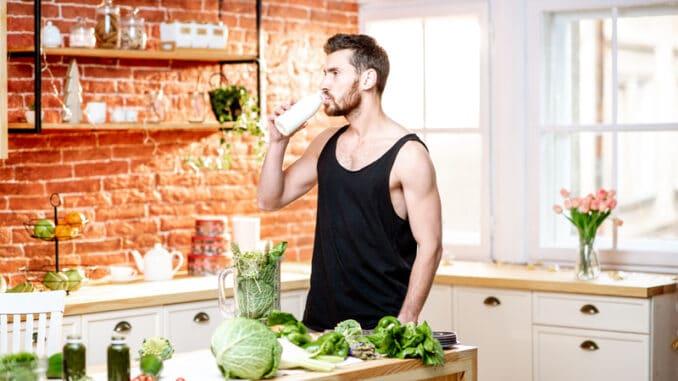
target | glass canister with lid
x=133, y=33
x=107, y=29
x=81, y=36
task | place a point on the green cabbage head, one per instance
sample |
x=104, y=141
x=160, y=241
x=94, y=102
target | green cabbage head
x=245, y=348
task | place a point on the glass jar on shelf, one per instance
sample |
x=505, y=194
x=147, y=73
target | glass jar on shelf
x=81, y=36
x=107, y=29
x=157, y=108
x=133, y=32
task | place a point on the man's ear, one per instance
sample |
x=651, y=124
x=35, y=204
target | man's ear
x=368, y=79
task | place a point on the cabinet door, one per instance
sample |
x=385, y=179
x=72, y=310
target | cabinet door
x=437, y=310
x=499, y=323
x=565, y=354
x=135, y=324
x=190, y=326
x=294, y=302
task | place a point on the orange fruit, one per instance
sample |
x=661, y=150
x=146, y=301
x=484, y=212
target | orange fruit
x=75, y=219
x=66, y=231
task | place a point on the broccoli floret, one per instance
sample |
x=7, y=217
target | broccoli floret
x=156, y=346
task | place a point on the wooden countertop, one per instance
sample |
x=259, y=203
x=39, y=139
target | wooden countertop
x=461, y=363
x=121, y=296
x=522, y=277
x=295, y=276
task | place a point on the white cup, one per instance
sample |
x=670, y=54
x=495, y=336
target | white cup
x=246, y=231
x=96, y=112
x=122, y=273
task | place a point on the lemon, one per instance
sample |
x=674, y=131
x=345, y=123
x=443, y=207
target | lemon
x=66, y=231
x=150, y=364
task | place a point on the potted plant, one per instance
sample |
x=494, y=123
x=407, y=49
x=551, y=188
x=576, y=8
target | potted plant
x=236, y=109
x=30, y=113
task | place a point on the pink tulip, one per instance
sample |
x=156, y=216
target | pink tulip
x=603, y=206
x=612, y=203
x=567, y=204
x=585, y=203
x=583, y=209
x=602, y=193
x=576, y=202
x=558, y=209
x=595, y=204
x=564, y=192
x=611, y=193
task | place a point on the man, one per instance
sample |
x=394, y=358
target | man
x=378, y=227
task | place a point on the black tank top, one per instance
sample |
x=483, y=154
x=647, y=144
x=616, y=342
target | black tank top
x=363, y=251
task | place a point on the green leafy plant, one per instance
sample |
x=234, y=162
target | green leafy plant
x=236, y=109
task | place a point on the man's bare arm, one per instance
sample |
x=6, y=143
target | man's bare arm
x=424, y=213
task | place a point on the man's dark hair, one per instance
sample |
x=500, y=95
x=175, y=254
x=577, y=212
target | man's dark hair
x=367, y=54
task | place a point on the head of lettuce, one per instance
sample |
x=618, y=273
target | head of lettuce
x=245, y=348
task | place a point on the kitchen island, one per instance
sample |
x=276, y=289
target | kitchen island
x=460, y=365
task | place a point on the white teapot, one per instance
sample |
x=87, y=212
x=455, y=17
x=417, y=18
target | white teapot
x=157, y=263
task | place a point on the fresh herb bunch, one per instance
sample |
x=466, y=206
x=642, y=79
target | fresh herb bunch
x=258, y=280
x=405, y=341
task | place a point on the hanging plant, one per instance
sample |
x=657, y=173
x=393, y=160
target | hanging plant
x=236, y=109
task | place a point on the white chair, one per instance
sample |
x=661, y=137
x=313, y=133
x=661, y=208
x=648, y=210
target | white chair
x=23, y=307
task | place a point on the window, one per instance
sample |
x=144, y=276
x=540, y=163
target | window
x=437, y=88
x=606, y=105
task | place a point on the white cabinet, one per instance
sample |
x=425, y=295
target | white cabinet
x=499, y=323
x=136, y=324
x=189, y=326
x=294, y=302
x=587, y=338
x=565, y=354
x=437, y=310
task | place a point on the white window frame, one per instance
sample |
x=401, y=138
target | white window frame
x=655, y=259
x=385, y=10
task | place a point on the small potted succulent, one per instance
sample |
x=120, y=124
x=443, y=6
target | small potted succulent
x=30, y=113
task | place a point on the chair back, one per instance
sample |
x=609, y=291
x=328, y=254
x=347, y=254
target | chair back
x=22, y=308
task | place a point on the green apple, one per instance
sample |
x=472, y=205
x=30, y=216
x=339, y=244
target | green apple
x=44, y=228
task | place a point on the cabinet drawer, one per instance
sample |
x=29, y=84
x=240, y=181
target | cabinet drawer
x=135, y=324
x=562, y=354
x=190, y=326
x=593, y=312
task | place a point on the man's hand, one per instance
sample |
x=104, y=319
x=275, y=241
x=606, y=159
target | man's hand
x=274, y=134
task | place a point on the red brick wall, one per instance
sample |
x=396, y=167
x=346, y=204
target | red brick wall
x=134, y=185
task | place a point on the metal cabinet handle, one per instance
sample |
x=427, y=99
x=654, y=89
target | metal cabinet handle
x=674, y=344
x=589, y=345
x=123, y=327
x=589, y=309
x=491, y=301
x=201, y=318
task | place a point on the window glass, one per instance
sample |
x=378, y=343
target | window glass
x=578, y=162
x=458, y=163
x=452, y=72
x=577, y=69
x=648, y=67
x=648, y=186
x=403, y=98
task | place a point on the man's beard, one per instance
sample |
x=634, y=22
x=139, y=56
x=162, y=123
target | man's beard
x=349, y=102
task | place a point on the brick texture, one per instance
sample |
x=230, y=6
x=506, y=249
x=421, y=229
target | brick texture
x=136, y=186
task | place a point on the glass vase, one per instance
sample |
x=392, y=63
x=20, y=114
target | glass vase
x=588, y=267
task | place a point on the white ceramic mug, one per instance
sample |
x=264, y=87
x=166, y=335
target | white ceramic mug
x=122, y=273
x=96, y=112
